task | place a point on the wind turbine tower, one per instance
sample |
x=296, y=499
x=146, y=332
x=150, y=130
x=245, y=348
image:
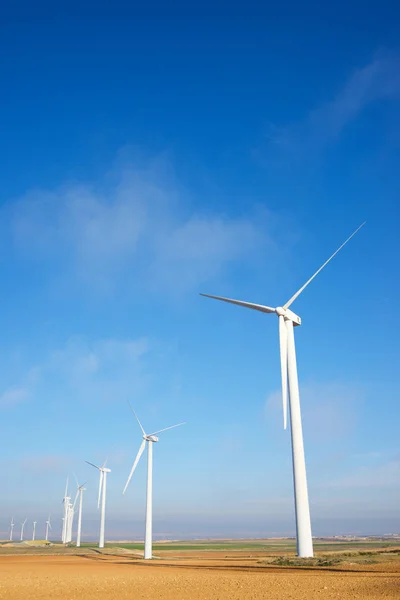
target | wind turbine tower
x=101, y=498
x=148, y=439
x=22, y=529
x=287, y=321
x=66, y=501
x=70, y=520
x=79, y=493
x=48, y=526
x=11, y=528
x=34, y=530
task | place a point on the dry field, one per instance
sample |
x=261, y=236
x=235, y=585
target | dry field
x=117, y=574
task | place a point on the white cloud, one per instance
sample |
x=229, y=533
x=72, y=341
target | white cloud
x=101, y=369
x=135, y=224
x=14, y=395
x=198, y=249
x=81, y=358
x=98, y=370
x=375, y=81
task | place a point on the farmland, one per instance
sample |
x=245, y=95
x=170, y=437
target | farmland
x=230, y=569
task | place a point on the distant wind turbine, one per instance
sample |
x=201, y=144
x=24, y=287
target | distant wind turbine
x=70, y=520
x=66, y=501
x=150, y=439
x=287, y=320
x=48, y=526
x=101, y=498
x=22, y=529
x=79, y=493
x=11, y=528
x=34, y=530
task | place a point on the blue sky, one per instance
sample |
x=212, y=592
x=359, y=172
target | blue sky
x=149, y=155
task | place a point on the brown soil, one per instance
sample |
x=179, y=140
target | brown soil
x=112, y=577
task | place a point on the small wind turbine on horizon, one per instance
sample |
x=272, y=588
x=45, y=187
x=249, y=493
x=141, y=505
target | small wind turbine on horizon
x=287, y=321
x=11, y=528
x=149, y=439
x=79, y=493
x=101, y=497
x=48, y=526
x=34, y=531
x=22, y=529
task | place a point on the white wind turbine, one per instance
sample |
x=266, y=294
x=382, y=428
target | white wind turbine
x=79, y=493
x=102, y=497
x=22, y=529
x=48, y=526
x=66, y=501
x=34, y=530
x=150, y=439
x=70, y=520
x=287, y=320
x=11, y=528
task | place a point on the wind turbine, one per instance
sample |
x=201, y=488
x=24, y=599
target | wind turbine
x=150, y=439
x=102, y=496
x=34, y=530
x=11, y=528
x=70, y=520
x=79, y=493
x=48, y=526
x=287, y=320
x=66, y=501
x=22, y=529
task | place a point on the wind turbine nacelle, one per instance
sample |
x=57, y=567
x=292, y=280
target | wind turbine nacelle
x=293, y=317
x=152, y=438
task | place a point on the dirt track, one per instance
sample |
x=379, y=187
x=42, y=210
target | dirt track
x=112, y=578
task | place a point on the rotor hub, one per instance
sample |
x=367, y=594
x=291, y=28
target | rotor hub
x=281, y=312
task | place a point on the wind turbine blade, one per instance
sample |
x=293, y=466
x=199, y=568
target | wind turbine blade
x=139, y=454
x=76, y=497
x=137, y=418
x=66, y=488
x=293, y=298
x=166, y=429
x=284, y=373
x=76, y=479
x=100, y=486
x=260, y=307
x=95, y=466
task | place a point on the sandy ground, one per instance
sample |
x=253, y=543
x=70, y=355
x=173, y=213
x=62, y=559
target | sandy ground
x=118, y=577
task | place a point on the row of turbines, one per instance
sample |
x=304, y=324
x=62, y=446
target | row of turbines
x=34, y=523
x=69, y=511
x=69, y=506
x=291, y=405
